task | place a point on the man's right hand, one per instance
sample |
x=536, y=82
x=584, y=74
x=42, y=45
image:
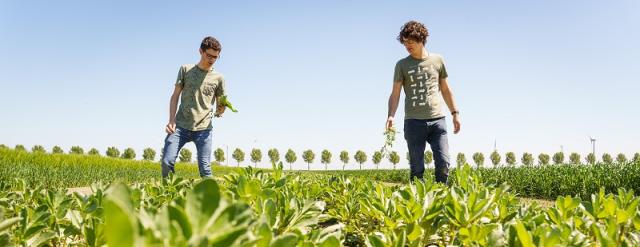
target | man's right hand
x=389, y=122
x=171, y=128
x=219, y=110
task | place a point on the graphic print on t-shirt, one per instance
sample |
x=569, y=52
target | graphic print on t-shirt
x=418, y=83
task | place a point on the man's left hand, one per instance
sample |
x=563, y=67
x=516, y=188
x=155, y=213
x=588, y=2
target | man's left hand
x=456, y=124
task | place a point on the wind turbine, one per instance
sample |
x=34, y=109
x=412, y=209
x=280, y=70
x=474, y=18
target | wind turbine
x=593, y=145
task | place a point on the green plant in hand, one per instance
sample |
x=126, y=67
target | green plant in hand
x=390, y=137
x=224, y=101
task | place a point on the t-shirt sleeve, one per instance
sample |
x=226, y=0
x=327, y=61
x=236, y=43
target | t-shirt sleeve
x=443, y=70
x=397, y=73
x=220, y=90
x=181, y=74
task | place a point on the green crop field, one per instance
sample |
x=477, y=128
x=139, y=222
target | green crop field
x=547, y=182
x=129, y=205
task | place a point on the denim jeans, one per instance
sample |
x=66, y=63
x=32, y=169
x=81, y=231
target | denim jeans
x=419, y=132
x=174, y=142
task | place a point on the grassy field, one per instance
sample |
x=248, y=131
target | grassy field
x=545, y=182
x=72, y=170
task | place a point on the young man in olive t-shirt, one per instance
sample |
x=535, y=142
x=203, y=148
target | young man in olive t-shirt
x=198, y=86
x=423, y=77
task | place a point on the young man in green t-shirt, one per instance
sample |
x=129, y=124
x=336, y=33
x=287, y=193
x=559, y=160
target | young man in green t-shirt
x=423, y=77
x=198, y=86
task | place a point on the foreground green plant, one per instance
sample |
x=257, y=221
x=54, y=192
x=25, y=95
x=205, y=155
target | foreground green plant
x=256, y=207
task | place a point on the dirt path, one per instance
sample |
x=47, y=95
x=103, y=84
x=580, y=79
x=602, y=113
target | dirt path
x=81, y=190
x=541, y=202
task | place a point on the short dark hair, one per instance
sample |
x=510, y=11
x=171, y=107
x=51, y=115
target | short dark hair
x=415, y=31
x=210, y=43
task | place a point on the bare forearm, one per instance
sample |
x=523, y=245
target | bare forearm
x=393, y=105
x=173, y=106
x=447, y=95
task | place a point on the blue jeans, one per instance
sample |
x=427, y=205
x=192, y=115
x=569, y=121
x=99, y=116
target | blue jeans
x=174, y=142
x=418, y=132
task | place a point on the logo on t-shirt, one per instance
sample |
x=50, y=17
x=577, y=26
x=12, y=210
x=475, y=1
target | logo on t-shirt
x=209, y=89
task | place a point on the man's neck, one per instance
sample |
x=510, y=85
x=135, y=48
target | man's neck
x=204, y=67
x=422, y=54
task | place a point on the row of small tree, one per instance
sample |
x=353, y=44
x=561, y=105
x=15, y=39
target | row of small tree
x=238, y=155
x=308, y=156
x=544, y=159
x=360, y=157
x=128, y=153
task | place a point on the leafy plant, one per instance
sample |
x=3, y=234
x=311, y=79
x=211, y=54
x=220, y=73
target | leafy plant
x=428, y=157
x=224, y=101
x=389, y=139
x=185, y=155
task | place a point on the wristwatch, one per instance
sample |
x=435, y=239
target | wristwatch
x=455, y=112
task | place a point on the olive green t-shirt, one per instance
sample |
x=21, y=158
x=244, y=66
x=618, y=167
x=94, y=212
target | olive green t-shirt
x=420, y=81
x=200, y=89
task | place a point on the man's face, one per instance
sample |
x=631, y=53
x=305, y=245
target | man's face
x=209, y=56
x=412, y=46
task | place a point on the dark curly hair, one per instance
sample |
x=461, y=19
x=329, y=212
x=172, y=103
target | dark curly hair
x=415, y=31
x=210, y=43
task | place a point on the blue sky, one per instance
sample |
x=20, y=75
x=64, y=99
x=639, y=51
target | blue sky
x=535, y=76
